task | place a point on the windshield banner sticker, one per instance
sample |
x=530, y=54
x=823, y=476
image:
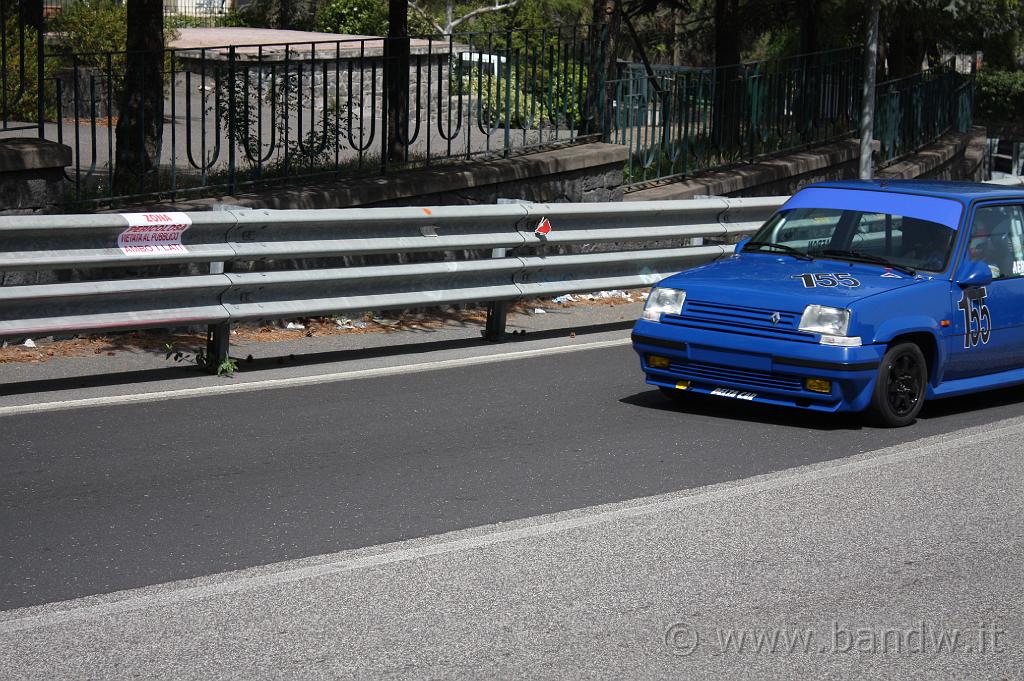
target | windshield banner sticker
x=828, y=279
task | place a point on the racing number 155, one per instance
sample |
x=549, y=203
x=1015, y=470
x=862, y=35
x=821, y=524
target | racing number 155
x=977, y=318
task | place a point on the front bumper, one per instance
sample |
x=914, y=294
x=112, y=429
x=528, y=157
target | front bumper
x=757, y=369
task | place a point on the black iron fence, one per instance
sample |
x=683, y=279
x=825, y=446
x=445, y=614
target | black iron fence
x=244, y=115
x=180, y=12
x=21, y=55
x=236, y=117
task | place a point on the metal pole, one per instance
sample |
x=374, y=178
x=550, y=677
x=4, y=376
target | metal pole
x=218, y=336
x=867, y=116
x=497, y=311
x=396, y=83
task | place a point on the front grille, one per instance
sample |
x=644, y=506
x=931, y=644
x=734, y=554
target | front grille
x=740, y=319
x=714, y=373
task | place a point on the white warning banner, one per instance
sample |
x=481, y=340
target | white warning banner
x=153, y=233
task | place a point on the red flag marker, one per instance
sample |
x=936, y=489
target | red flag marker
x=543, y=227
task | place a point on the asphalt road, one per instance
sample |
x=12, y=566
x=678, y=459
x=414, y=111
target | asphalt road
x=95, y=500
x=904, y=563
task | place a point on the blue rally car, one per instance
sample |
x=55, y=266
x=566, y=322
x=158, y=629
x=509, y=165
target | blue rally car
x=854, y=296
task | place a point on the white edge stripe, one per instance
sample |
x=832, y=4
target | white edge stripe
x=297, y=381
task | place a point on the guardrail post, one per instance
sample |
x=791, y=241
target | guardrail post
x=497, y=312
x=218, y=336
x=218, y=344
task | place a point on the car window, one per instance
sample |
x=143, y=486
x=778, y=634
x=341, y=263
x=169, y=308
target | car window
x=899, y=240
x=879, y=234
x=997, y=239
x=807, y=229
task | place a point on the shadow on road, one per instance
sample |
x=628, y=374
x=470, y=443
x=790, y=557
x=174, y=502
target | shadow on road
x=966, y=404
x=736, y=410
x=249, y=367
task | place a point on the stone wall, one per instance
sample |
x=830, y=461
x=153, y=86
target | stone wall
x=956, y=156
x=32, y=175
x=577, y=173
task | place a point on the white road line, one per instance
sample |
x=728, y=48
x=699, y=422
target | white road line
x=270, y=384
x=177, y=593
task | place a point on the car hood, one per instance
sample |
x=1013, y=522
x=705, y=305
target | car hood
x=762, y=280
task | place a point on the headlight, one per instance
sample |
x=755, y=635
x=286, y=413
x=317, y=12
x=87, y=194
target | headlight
x=663, y=300
x=832, y=321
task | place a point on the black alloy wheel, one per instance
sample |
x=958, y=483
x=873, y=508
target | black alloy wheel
x=900, y=386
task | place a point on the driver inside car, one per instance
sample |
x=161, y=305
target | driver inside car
x=990, y=242
x=925, y=244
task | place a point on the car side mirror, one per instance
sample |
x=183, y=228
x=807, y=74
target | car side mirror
x=741, y=243
x=978, y=274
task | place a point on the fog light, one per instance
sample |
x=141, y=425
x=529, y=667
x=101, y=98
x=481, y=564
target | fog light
x=818, y=385
x=683, y=385
x=658, y=362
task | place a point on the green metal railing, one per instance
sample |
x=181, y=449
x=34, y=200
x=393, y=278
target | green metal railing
x=681, y=122
x=914, y=111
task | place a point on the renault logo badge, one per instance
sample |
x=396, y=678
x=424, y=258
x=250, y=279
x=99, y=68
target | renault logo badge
x=775, y=318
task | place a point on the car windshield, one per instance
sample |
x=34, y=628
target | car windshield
x=861, y=236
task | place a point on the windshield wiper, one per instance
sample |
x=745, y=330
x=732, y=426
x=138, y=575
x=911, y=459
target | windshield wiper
x=788, y=250
x=867, y=257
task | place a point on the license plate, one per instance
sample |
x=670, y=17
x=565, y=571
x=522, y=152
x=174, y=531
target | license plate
x=735, y=394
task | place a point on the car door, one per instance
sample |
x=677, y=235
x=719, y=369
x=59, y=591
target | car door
x=987, y=322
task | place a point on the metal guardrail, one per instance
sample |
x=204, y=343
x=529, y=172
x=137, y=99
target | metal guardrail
x=240, y=264
x=590, y=247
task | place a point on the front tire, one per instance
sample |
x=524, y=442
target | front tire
x=899, y=387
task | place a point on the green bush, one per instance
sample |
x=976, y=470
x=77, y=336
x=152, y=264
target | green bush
x=91, y=28
x=999, y=96
x=172, y=22
x=358, y=17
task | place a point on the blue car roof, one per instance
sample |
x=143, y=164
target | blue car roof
x=965, y=192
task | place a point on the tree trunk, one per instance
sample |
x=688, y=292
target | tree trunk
x=725, y=118
x=602, y=47
x=809, y=16
x=396, y=80
x=905, y=42
x=141, y=114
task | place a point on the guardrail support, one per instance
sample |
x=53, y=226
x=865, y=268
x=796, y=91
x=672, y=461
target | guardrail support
x=497, y=310
x=218, y=344
x=497, y=315
x=218, y=336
